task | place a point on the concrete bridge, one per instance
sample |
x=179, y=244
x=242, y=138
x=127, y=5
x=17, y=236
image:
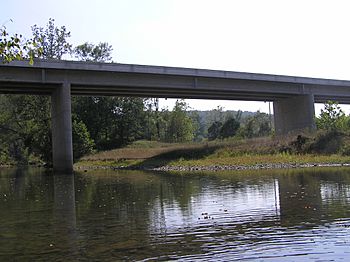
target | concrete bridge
x=293, y=97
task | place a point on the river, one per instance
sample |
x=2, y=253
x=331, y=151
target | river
x=105, y=215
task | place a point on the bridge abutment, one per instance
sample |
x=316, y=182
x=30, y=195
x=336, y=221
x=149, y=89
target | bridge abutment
x=294, y=113
x=62, y=145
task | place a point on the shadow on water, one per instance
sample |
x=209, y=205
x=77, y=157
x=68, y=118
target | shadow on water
x=133, y=215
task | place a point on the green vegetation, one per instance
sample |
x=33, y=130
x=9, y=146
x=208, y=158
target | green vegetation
x=180, y=126
x=163, y=137
x=97, y=53
x=52, y=41
x=10, y=46
x=328, y=145
x=25, y=121
x=247, y=152
x=13, y=47
x=332, y=118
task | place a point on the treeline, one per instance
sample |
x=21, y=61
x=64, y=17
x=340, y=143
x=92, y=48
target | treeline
x=102, y=123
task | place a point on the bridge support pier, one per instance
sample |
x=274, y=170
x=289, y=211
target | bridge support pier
x=62, y=147
x=294, y=113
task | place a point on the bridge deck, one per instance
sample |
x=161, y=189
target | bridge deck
x=88, y=78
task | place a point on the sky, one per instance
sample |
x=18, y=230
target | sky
x=287, y=37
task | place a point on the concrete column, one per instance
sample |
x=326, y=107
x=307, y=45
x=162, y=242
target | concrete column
x=294, y=113
x=62, y=146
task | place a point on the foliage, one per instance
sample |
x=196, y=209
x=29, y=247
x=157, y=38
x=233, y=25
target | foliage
x=82, y=142
x=152, y=115
x=345, y=149
x=257, y=125
x=51, y=40
x=25, y=126
x=130, y=119
x=15, y=48
x=97, y=53
x=216, y=115
x=214, y=130
x=225, y=129
x=229, y=128
x=180, y=127
x=299, y=145
x=198, y=135
x=326, y=142
x=10, y=46
x=25, y=120
x=111, y=121
x=332, y=117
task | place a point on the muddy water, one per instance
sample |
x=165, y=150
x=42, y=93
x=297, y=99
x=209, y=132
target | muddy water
x=294, y=215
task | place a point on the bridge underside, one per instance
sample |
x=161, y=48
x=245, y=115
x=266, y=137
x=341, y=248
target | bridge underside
x=293, y=97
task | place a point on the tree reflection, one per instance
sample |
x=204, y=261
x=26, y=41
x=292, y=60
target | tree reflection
x=135, y=215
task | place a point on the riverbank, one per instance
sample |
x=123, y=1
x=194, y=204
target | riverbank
x=180, y=168
x=262, y=153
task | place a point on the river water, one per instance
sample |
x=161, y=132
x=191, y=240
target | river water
x=289, y=215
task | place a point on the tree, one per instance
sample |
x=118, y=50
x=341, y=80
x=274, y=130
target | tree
x=216, y=115
x=198, y=126
x=25, y=126
x=257, y=125
x=15, y=48
x=27, y=119
x=332, y=117
x=51, y=40
x=10, y=46
x=180, y=128
x=214, y=130
x=97, y=113
x=98, y=53
x=111, y=121
x=229, y=128
x=82, y=142
x=130, y=115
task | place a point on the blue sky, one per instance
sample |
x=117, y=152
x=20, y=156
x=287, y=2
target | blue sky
x=298, y=37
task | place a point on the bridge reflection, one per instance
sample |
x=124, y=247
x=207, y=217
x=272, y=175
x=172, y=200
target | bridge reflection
x=129, y=215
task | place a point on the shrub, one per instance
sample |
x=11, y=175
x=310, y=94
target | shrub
x=298, y=145
x=326, y=142
x=345, y=150
x=82, y=142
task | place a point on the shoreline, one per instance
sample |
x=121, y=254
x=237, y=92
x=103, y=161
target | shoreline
x=216, y=168
x=194, y=168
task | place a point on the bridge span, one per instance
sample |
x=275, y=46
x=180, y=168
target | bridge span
x=293, y=97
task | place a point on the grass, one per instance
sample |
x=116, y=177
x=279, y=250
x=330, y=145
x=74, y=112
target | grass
x=107, y=163
x=228, y=152
x=139, y=150
x=254, y=159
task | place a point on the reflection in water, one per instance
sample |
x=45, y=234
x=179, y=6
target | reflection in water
x=111, y=216
x=64, y=214
x=300, y=197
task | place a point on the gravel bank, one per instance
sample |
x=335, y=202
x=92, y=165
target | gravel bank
x=217, y=167
x=252, y=167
